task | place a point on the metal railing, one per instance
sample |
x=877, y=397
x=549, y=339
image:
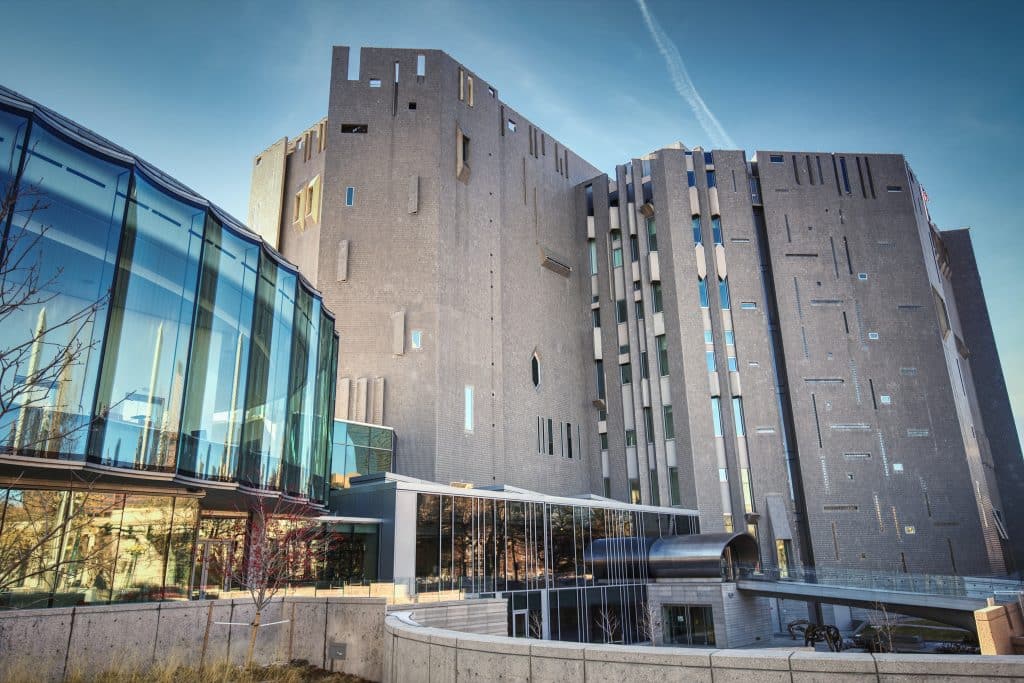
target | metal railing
x=925, y=584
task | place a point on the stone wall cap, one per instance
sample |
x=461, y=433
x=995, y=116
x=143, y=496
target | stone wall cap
x=829, y=662
x=770, y=660
x=977, y=666
x=632, y=654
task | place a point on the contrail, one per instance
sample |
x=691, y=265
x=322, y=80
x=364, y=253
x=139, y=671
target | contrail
x=684, y=86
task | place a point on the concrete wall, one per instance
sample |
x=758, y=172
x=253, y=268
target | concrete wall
x=740, y=619
x=415, y=653
x=486, y=617
x=1000, y=629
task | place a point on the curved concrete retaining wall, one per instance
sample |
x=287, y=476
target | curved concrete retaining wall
x=417, y=654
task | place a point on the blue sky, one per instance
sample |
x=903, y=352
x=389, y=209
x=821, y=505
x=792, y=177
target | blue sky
x=198, y=88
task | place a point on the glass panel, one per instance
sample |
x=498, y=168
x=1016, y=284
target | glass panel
x=138, y=405
x=211, y=428
x=301, y=384
x=324, y=410
x=428, y=541
x=267, y=390
x=63, y=238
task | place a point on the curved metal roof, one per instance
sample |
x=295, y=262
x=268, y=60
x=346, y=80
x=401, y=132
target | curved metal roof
x=699, y=555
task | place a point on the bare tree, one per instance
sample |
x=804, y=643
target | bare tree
x=884, y=626
x=38, y=361
x=279, y=543
x=536, y=625
x=609, y=624
x=649, y=621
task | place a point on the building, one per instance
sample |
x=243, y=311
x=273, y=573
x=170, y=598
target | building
x=773, y=341
x=165, y=370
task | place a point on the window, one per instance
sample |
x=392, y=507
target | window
x=623, y=349
x=634, y=491
x=551, y=437
x=885, y=399
x=702, y=290
x=708, y=337
x=691, y=178
x=776, y=158
x=634, y=248
x=630, y=437
x=716, y=414
x=638, y=308
x=710, y=355
x=511, y=125
x=698, y=238
x=670, y=428
x=873, y=336
x=350, y=196
x=662, y=343
x=535, y=370
x=862, y=276
x=737, y=415
x=412, y=105
x=748, y=306
x=897, y=467
x=607, y=487
x=653, y=481
x=626, y=373
x=730, y=338
x=893, y=188
x=467, y=420
x=417, y=339
x=723, y=293
x=596, y=315
x=617, y=257
x=604, y=441
x=652, y=235
x=599, y=367
x=716, y=229
x=649, y=424
x=846, y=177
x=374, y=82
x=656, y=297
x=297, y=208
x=644, y=374
x=469, y=94
x=465, y=148
x=711, y=179
x=593, y=257
x=673, y=486
x=421, y=65
x=355, y=128
x=733, y=365
x=620, y=311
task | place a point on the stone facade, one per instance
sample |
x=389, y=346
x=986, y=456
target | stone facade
x=813, y=398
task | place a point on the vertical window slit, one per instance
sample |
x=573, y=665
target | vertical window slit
x=871, y=180
x=849, y=262
x=860, y=173
x=835, y=174
x=817, y=424
x=846, y=323
x=789, y=235
x=796, y=171
x=810, y=173
x=835, y=261
x=871, y=386
x=821, y=176
x=835, y=540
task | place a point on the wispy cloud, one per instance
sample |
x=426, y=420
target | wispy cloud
x=683, y=85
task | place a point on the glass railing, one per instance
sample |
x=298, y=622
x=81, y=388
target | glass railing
x=929, y=584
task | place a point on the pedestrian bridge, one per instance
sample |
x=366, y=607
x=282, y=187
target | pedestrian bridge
x=947, y=599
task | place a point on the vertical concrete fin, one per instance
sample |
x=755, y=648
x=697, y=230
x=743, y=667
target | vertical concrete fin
x=359, y=409
x=414, y=194
x=377, y=409
x=341, y=409
x=343, y=261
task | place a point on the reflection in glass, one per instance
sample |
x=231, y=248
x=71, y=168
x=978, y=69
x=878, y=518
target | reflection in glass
x=63, y=236
x=215, y=394
x=138, y=405
x=267, y=390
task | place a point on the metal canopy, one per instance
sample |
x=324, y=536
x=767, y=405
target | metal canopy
x=699, y=555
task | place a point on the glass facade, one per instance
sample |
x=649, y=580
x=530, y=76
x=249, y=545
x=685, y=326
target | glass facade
x=359, y=449
x=164, y=337
x=537, y=552
x=89, y=547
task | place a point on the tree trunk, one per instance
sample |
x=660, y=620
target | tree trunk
x=254, y=628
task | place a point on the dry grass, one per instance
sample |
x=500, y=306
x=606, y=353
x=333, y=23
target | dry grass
x=221, y=673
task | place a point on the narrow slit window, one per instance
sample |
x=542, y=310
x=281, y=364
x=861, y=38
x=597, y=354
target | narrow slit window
x=421, y=65
x=350, y=196
x=467, y=420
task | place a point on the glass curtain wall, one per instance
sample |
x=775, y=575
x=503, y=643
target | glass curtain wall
x=89, y=547
x=150, y=334
x=269, y=366
x=58, y=254
x=211, y=429
x=359, y=449
x=483, y=545
x=145, y=352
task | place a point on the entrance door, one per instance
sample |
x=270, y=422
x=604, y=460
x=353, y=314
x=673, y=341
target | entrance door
x=520, y=621
x=213, y=558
